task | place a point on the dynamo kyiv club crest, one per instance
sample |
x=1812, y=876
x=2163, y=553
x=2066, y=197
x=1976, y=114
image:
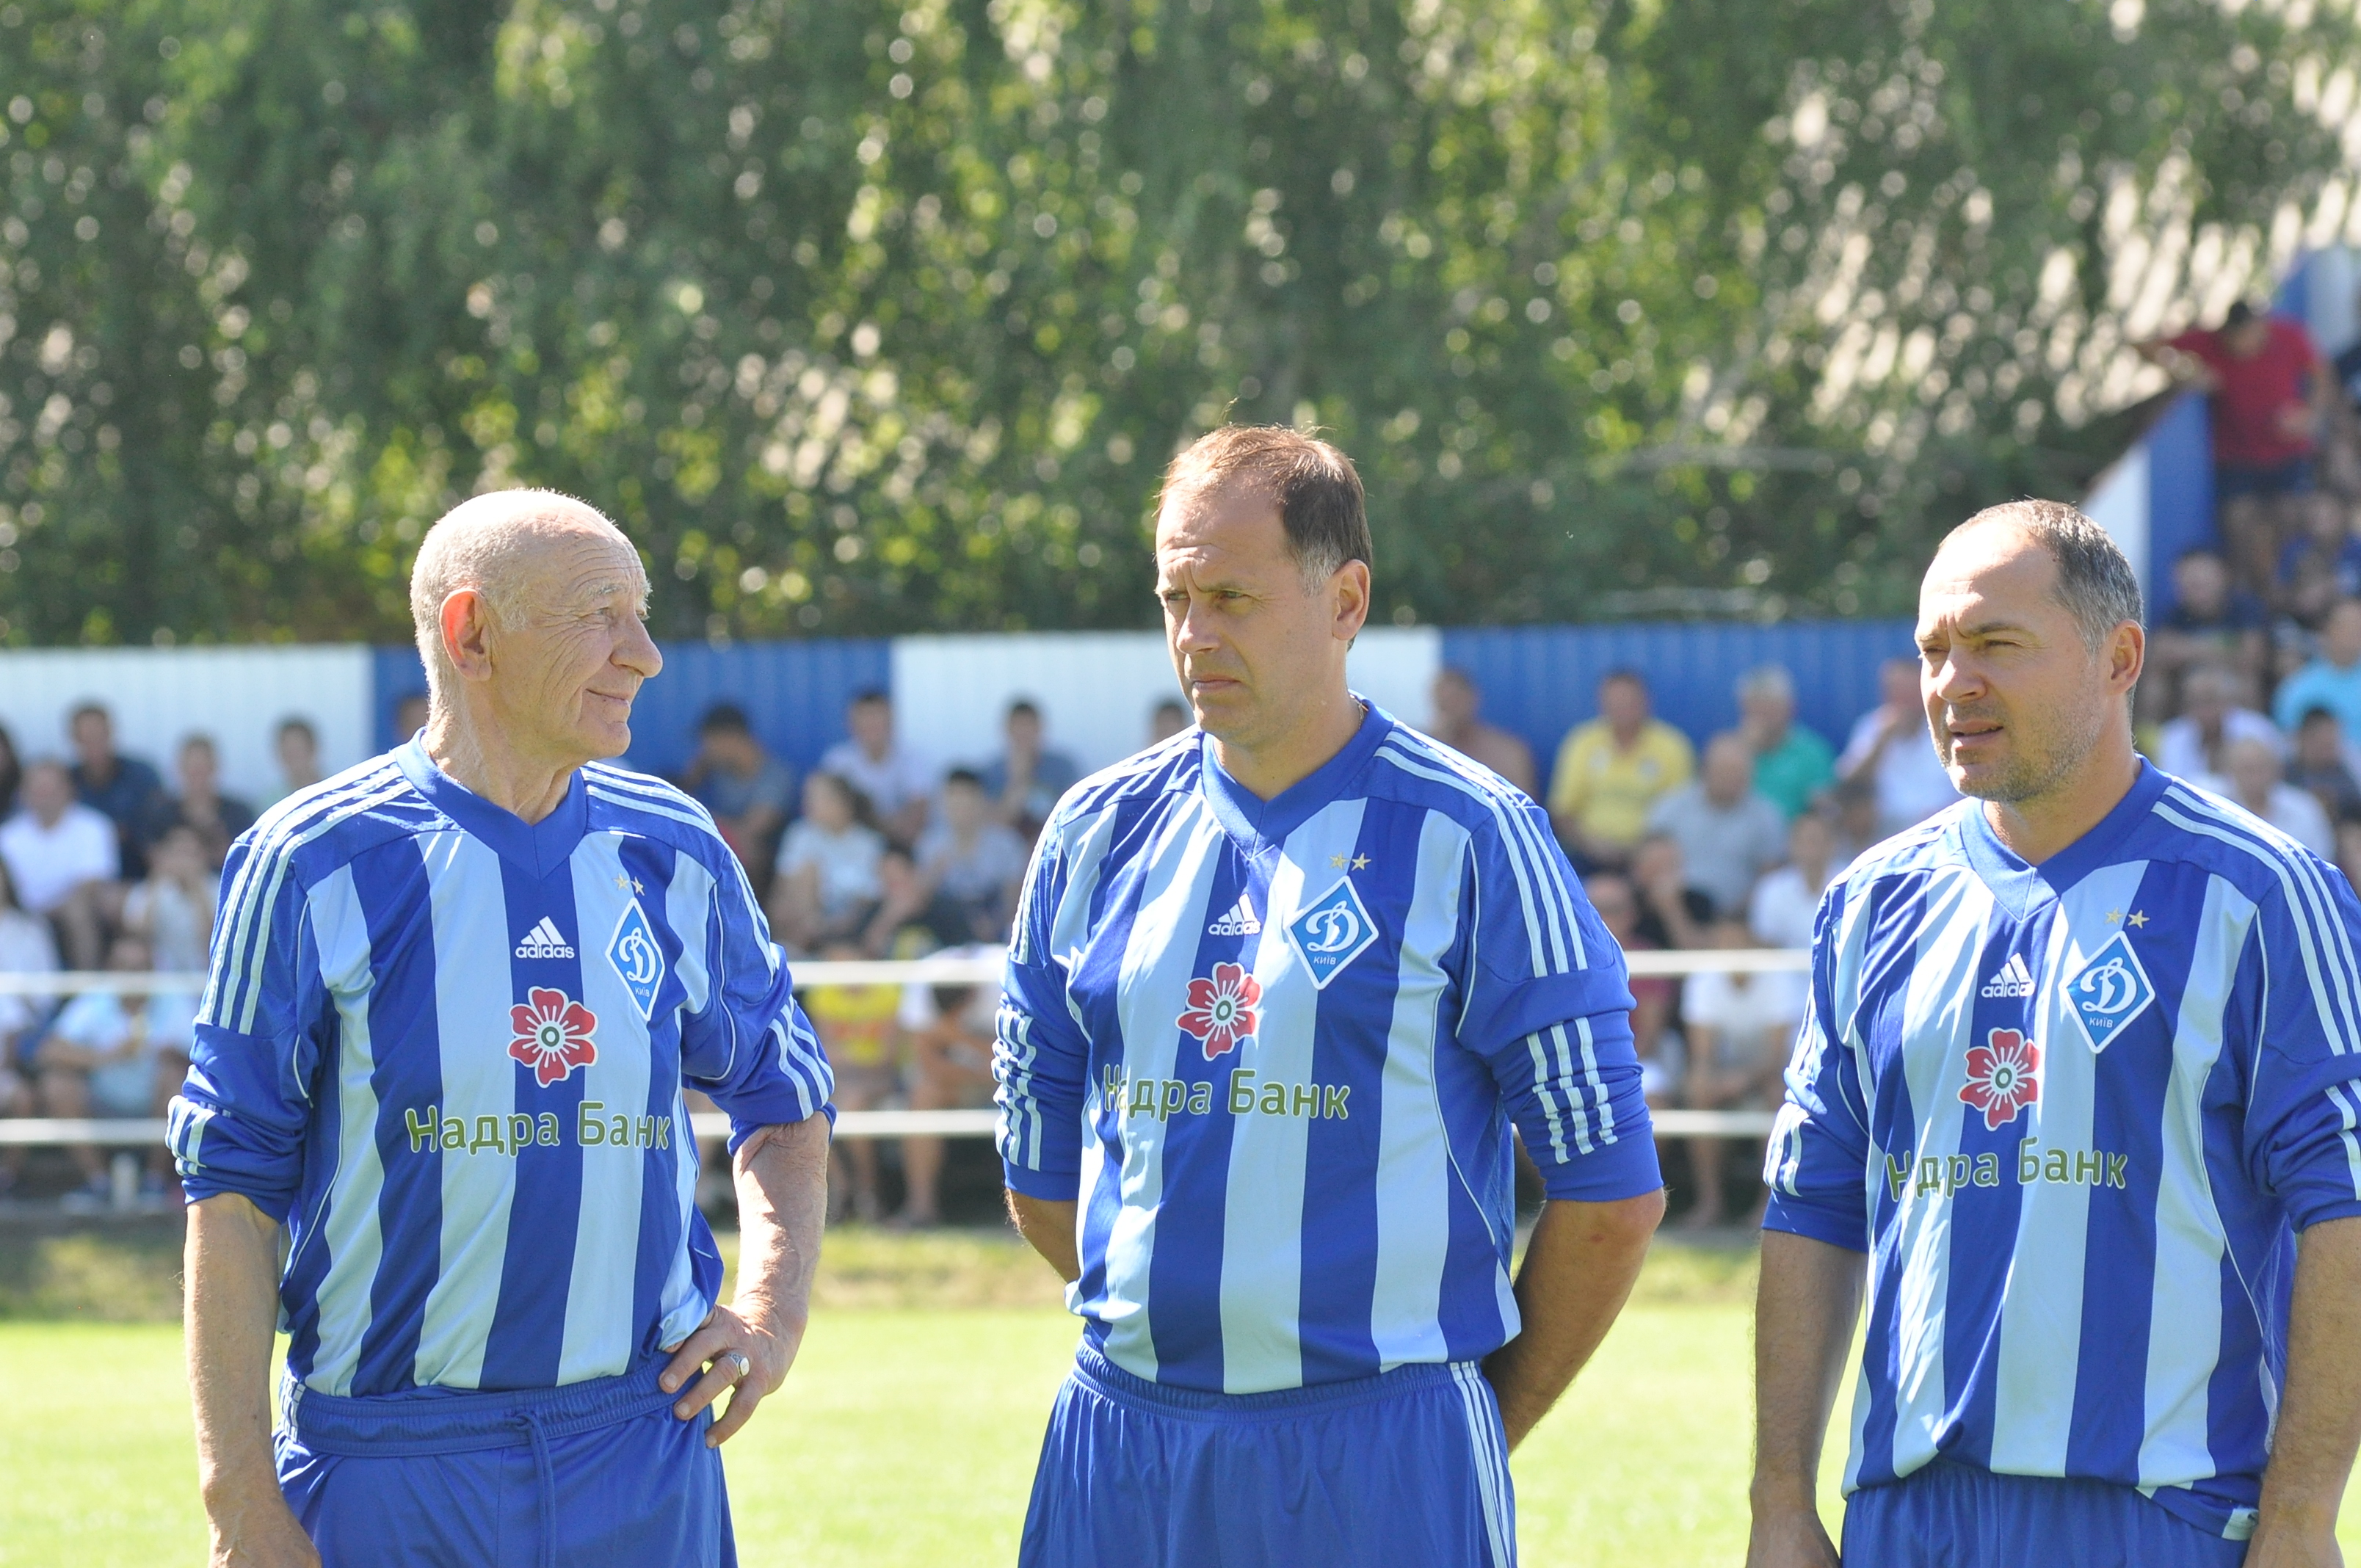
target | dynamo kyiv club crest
x=637, y=960
x=2110, y=991
x=1331, y=932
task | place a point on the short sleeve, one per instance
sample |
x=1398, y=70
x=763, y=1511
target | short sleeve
x=1816, y=1167
x=1040, y=1058
x=2300, y=990
x=751, y=1048
x=259, y=1041
x=1547, y=1007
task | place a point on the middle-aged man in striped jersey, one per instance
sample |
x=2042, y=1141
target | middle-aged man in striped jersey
x=1279, y=987
x=458, y=994
x=2081, y=1075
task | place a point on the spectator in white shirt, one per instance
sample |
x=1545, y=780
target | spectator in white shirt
x=900, y=788
x=2190, y=747
x=66, y=861
x=1739, y=1029
x=2255, y=782
x=115, y=1056
x=826, y=884
x=1889, y=748
x=1729, y=833
x=26, y=948
x=172, y=910
x=1785, y=900
x=973, y=859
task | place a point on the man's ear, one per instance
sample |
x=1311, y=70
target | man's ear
x=1351, y=587
x=468, y=633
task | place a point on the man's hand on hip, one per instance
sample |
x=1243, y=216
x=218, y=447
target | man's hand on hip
x=263, y=1534
x=1789, y=1537
x=734, y=1355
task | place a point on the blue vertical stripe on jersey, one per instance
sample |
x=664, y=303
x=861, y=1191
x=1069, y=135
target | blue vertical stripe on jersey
x=528, y=1342
x=398, y=904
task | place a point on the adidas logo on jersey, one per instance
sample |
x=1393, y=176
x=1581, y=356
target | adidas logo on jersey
x=544, y=942
x=1239, y=921
x=2014, y=979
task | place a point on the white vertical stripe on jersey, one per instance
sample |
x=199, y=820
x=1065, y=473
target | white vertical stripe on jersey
x=2041, y=1305
x=1414, y=1177
x=688, y=912
x=349, y=1228
x=472, y=999
x=1939, y=1001
x=2184, y=1335
x=1262, y=1219
x=1841, y=1031
x=1085, y=852
x=599, y=1328
x=1159, y=955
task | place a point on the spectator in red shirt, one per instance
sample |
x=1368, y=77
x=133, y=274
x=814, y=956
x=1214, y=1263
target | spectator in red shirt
x=2270, y=394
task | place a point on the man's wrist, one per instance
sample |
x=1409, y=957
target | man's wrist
x=1783, y=1492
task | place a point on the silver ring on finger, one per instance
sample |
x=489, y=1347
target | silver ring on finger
x=741, y=1367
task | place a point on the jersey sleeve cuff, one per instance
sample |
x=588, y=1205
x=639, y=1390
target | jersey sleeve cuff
x=1627, y=1170
x=202, y=1186
x=1050, y=1185
x=1795, y=1218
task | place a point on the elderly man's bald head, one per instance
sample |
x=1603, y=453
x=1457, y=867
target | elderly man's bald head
x=493, y=544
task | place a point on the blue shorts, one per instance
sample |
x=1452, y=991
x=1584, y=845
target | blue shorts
x=1407, y=1469
x=1959, y=1515
x=600, y=1473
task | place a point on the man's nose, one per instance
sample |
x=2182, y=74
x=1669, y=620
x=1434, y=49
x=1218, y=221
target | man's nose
x=1194, y=628
x=638, y=651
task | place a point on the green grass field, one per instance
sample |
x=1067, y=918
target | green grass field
x=907, y=1435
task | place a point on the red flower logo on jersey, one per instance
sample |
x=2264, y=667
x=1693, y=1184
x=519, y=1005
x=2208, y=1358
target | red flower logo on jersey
x=2002, y=1078
x=1220, y=1010
x=553, y=1034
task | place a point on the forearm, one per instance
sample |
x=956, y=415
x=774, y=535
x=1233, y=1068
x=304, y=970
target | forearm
x=2320, y=1418
x=231, y=1264
x=781, y=1175
x=1805, y=1306
x=1048, y=1225
x=1579, y=1270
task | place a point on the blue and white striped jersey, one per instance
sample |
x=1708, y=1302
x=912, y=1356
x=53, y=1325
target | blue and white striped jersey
x=2076, y=1113
x=1275, y=1047
x=449, y=1049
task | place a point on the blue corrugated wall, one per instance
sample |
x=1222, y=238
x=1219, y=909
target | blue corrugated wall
x=793, y=693
x=1541, y=680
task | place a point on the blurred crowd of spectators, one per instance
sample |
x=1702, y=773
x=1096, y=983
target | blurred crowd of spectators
x=105, y=866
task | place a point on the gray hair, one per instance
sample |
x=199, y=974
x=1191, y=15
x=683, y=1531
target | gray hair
x=483, y=545
x=2095, y=581
x=1767, y=680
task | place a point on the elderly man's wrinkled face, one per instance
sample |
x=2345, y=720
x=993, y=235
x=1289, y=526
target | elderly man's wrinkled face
x=569, y=657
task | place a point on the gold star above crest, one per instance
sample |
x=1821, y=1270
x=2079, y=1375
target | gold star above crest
x=623, y=883
x=2139, y=918
x=1336, y=861
x=2113, y=916
x=1360, y=862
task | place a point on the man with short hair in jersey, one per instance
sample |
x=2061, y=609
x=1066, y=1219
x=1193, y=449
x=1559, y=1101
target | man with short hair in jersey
x=457, y=996
x=1279, y=989
x=2080, y=1076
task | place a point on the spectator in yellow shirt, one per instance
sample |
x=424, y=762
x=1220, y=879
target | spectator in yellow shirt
x=1612, y=770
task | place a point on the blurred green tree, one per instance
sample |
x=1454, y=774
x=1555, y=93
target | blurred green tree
x=866, y=319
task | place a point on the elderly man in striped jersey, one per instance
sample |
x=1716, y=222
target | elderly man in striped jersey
x=1280, y=987
x=2080, y=1077
x=457, y=995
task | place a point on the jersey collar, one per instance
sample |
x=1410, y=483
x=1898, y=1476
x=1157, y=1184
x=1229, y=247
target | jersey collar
x=2017, y=884
x=540, y=847
x=1260, y=824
